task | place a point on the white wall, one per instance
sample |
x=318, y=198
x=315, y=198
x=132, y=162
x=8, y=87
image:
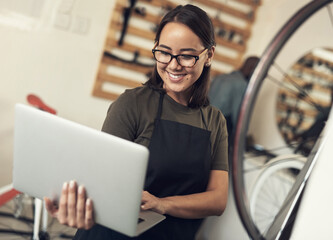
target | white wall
x=56, y=63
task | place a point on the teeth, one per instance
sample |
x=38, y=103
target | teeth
x=175, y=76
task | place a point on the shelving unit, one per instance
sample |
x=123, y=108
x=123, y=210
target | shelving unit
x=297, y=111
x=130, y=50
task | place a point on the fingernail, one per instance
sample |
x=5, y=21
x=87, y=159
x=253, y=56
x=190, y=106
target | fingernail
x=72, y=184
x=81, y=189
x=88, y=202
x=65, y=185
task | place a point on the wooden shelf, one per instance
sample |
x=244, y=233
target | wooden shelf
x=129, y=66
x=253, y=3
x=237, y=44
x=313, y=72
x=312, y=112
x=291, y=105
x=307, y=99
x=315, y=86
x=226, y=9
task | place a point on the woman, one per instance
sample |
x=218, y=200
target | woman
x=187, y=176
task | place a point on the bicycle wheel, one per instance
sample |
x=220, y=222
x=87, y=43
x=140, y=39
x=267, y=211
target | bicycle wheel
x=271, y=188
x=261, y=73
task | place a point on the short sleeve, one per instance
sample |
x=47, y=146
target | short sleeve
x=121, y=118
x=220, y=145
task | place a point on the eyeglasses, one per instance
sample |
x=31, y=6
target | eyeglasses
x=183, y=60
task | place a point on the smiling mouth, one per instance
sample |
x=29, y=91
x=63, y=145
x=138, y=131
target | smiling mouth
x=176, y=77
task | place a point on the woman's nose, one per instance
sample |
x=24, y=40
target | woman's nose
x=173, y=64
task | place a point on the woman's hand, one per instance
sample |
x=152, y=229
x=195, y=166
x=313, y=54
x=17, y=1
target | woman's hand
x=150, y=202
x=212, y=202
x=74, y=209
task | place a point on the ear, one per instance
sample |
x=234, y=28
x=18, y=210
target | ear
x=210, y=54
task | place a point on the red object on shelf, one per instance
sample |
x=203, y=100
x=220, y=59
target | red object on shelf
x=7, y=193
x=37, y=102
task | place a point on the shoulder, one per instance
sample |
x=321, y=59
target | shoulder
x=137, y=104
x=213, y=114
x=126, y=114
x=216, y=121
x=135, y=96
x=138, y=92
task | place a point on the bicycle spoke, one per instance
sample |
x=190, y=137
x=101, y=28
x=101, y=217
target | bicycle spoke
x=330, y=14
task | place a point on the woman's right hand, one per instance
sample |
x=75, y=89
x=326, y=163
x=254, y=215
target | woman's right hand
x=74, y=209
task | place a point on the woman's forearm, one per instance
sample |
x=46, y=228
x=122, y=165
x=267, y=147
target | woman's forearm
x=198, y=205
x=209, y=203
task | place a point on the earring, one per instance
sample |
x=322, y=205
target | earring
x=207, y=64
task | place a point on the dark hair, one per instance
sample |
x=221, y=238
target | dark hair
x=199, y=22
x=248, y=66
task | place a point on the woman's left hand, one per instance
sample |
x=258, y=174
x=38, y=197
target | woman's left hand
x=211, y=202
x=150, y=202
x=74, y=208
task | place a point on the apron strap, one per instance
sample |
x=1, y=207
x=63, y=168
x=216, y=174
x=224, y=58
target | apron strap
x=160, y=104
x=203, y=119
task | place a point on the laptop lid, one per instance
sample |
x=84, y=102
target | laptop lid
x=49, y=150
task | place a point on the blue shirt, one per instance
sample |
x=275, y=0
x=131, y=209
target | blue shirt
x=226, y=93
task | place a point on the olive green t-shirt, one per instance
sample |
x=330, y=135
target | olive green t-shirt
x=133, y=114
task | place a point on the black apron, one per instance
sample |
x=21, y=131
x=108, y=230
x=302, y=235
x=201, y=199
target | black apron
x=179, y=164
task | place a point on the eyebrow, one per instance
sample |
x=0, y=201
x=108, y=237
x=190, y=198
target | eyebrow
x=182, y=50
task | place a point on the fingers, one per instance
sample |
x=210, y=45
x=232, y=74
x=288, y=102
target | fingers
x=74, y=210
x=71, y=204
x=62, y=212
x=50, y=207
x=150, y=202
x=80, y=207
x=144, y=200
x=89, y=218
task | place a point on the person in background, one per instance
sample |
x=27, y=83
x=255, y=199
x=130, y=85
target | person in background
x=187, y=175
x=227, y=90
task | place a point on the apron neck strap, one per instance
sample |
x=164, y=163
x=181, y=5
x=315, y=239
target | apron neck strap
x=160, y=105
x=203, y=119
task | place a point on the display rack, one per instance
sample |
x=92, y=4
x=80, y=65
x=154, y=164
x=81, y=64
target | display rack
x=297, y=111
x=127, y=59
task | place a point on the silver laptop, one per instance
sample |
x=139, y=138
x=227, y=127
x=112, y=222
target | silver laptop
x=49, y=150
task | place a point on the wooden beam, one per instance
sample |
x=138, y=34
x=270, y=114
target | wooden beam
x=252, y=3
x=129, y=66
x=312, y=113
x=117, y=25
x=118, y=80
x=226, y=9
x=293, y=121
x=306, y=99
x=235, y=46
x=229, y=27
x=309, y=70
x=303, y=83
x=113, y=43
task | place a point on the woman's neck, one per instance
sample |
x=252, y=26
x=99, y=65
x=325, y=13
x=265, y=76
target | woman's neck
x=182, y=98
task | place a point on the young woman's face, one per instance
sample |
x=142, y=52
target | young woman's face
x=177, y=38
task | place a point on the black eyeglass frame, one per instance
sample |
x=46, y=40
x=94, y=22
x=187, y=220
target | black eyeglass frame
x=176, y=56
